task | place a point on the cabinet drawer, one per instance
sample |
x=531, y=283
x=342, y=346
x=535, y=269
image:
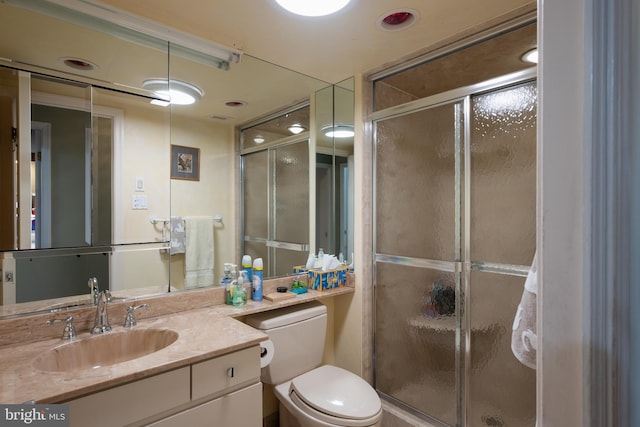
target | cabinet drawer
x=225, y=373
x=114, y=407
x=242, y=408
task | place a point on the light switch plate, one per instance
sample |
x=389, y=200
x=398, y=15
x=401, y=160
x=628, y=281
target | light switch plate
x=139, y=183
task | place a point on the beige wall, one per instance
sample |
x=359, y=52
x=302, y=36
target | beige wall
x=147, y=137
x=213, y=194
x=351, y=313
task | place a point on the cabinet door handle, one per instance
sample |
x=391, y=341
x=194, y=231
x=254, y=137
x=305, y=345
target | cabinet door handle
x=230, y=372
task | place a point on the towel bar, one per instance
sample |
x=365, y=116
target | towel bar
x=154, y=220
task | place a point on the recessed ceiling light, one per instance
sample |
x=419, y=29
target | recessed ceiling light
x=338, y=131
x=295, y=128
x=397, y=20
x=531, y=56
x=313, y=7
x=175, y=92
x=79, y=64
x=235, y=103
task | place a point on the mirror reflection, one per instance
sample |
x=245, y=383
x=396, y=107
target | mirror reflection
x=102, y=198
x=334, y=170
x=276, y=189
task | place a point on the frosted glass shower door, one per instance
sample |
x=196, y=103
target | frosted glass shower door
x=501, y=223
x=276, y=206
x=290, y=227
x=455, y=204
x=255, y=190
x=418, y=163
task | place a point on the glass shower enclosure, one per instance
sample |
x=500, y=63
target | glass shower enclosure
x=276, y=206
x=454, y=237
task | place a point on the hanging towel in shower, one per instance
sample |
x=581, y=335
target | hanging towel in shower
x=198, y=258
x=524, y=338
x=177, y=234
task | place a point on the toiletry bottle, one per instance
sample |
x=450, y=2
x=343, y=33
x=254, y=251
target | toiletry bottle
x=233, y=284
x=257, y=280
x=247, y=285
x=239, y=296
x=246, y=266
x=226, y=280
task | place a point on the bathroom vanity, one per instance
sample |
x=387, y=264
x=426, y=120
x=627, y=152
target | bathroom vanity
x=215, y=389
x=176, y=367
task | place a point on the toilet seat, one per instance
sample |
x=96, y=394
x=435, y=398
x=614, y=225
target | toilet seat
x=336, y=396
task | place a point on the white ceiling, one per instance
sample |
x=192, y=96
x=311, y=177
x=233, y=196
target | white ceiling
x=330, y=48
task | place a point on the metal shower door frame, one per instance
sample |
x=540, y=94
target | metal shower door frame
x=462, y=265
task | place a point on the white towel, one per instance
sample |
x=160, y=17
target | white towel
x=177, y=234
x=524, y=338
x=198, y=257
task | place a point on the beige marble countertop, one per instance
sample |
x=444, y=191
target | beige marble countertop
x=203, y=333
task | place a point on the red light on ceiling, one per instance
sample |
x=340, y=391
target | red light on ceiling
x=79, y=64
x=235, y=103
x=397, y=18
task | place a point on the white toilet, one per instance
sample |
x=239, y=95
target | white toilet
x=309, y=394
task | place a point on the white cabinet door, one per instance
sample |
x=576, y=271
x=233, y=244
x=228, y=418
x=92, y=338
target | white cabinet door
x=225, y=373
x=242, y=408
x=131, y=402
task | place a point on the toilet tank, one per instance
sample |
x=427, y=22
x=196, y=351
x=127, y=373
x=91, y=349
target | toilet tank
x=297, y=333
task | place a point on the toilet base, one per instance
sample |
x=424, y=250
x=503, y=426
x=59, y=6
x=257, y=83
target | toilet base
x=286, y=418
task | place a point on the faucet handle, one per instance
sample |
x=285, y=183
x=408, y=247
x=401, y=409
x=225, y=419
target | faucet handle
x=130, y=320
x=106, y=294
x=69, y=331
x=95, y=292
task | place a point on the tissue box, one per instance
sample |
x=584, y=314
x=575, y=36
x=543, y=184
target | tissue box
x=324, y=280
x=300, y=269
x=319, y=280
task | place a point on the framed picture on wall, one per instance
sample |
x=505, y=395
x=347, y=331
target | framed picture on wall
x=185, y=163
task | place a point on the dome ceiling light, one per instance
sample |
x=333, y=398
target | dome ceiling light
x=173, y=92
x=313, y=7
x=338, y=131
x=397, y=20
x=296, y=128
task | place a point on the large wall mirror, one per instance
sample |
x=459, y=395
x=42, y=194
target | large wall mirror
x=87, y=149
x=297, y=181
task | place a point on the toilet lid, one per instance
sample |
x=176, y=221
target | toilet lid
x=337, y=392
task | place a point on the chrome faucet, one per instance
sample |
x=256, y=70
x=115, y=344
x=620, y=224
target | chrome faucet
x=101, y=324
x=130, y=319
x=95, y=292
x=69, y=332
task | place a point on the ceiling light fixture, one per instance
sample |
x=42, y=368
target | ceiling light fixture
x=295, y=128
x=134, y=29
x=79, y=64
x=173, y=91
x=235, y=104
x=313, y=7
x=258, y=139
x=338, y=131
x=397, y=20
x=531, y=56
